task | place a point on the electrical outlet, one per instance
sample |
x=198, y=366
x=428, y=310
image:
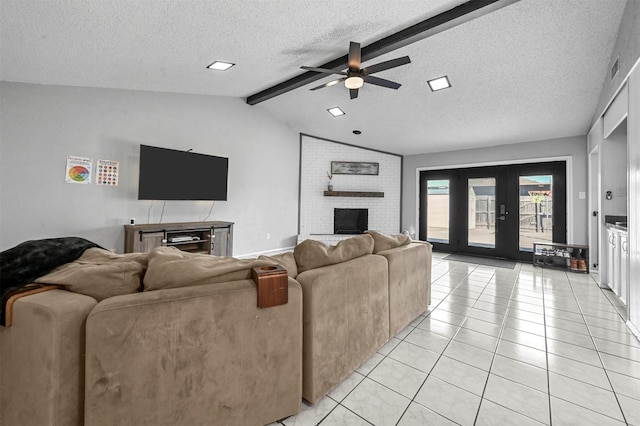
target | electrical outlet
x=268, y=236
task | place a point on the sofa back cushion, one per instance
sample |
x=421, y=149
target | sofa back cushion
x=100, y=274
x=173, y=268
x=286, y=260
x=311, y=254
x=383, y=242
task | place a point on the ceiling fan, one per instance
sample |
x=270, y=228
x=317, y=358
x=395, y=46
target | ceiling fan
x=355, y=77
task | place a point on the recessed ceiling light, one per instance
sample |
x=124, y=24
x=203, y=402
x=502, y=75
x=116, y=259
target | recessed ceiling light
x=439, y=83
x=220, y=66
x=335, y=111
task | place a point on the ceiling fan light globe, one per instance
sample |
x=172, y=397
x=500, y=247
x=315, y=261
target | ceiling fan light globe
x=354, y=82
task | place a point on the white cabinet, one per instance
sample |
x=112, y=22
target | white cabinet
x=611, y=260
x=617, y=262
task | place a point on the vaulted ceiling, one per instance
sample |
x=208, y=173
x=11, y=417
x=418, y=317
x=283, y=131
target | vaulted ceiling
x=530, y=70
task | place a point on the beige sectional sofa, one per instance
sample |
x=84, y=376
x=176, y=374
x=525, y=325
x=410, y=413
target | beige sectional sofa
x=193, y=348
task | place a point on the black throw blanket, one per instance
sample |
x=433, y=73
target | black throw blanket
x=25, y=262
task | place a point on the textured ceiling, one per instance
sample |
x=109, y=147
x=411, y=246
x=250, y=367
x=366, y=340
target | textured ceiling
x=531, y=70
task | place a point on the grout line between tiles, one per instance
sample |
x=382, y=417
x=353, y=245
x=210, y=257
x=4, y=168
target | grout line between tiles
x=546, y=350
x=338, y=404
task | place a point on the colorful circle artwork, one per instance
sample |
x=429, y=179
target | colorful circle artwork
x=79, y=173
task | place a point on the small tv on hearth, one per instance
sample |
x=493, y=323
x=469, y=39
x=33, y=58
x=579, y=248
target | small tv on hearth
x=169, y=174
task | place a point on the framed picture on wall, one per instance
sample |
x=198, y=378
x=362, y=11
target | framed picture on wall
x=354, y=168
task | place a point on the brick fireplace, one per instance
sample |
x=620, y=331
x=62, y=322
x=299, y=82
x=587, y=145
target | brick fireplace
x=317, y=210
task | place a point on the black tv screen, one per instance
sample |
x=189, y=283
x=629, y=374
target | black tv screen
x=168, y=174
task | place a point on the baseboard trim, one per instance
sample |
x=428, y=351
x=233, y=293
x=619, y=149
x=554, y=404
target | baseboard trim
x=633, y=329
x=265, y=253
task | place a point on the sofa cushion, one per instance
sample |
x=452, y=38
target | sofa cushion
x=170, y=267
x=385, y=241
x=311, y=254
x=100, y=274
x=286, y=260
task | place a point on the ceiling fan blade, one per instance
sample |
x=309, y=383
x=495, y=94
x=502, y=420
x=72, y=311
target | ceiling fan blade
x=354, y=55
x=323, y=70
x=387, y=65
x=330, y=83
x=381, y=82
x=353, y=93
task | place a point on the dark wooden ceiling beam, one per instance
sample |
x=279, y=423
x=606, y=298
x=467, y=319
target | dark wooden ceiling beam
x=434, y=25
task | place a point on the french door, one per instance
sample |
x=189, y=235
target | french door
x=496, y=211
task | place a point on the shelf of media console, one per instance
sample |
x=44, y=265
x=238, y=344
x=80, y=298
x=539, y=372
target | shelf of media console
x=196, y=240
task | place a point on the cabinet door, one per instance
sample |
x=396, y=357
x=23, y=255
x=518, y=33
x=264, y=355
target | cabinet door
x=610, y=259
x=221, y=242
x=148, y=241
x=615, y=264
x=624, y=265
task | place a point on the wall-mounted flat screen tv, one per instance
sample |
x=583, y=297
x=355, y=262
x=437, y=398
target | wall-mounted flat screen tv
x=168, y=174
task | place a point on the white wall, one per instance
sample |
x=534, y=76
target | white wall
x=40, y=125
x=574, y=148
x=316, y=210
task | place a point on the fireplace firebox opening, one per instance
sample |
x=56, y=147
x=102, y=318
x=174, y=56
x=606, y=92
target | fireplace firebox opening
x=350, y=221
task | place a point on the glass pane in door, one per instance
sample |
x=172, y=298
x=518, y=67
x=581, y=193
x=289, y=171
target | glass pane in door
x=438, y=211
x=535, y=211
x=482, y=212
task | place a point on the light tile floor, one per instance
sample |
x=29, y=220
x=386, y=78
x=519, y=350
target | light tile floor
x=527, y=346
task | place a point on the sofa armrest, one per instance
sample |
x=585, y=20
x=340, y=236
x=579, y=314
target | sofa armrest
x=194, y=355
x=42, y=360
